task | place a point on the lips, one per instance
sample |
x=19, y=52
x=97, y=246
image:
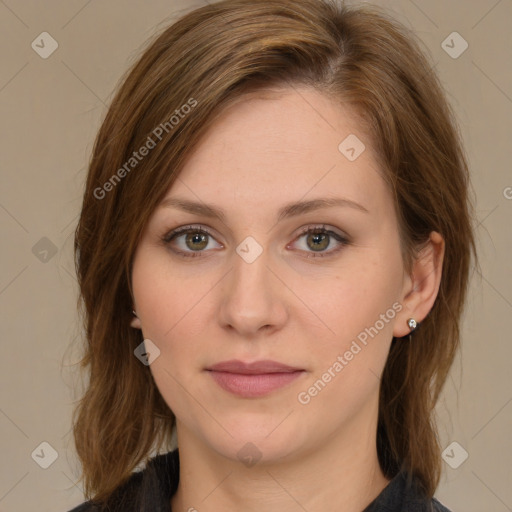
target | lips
x=253, y=380
x=257, y=367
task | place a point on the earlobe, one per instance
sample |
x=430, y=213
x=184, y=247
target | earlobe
x=424, y=284
x=135, y=322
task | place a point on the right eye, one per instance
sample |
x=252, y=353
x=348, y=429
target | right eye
x=194, y=240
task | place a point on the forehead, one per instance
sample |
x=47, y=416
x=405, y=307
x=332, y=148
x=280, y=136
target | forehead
x=271, y=145
x=282, y=120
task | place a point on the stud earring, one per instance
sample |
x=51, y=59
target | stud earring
x=412, y=324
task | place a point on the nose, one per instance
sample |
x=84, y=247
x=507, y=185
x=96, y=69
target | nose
x=253, y=298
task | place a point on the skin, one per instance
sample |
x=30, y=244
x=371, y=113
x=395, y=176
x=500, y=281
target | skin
x=261, y=154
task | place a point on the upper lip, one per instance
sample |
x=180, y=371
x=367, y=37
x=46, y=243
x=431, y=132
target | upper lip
x=254, y=368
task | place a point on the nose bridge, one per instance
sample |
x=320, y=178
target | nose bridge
x=251, y=297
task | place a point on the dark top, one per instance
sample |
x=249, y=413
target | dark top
x=151, y=489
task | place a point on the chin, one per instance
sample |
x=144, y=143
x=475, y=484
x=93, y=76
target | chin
x=261, y=452
x=259, y=442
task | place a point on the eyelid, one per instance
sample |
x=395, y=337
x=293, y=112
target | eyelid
x=183, y=229
x=342, y=238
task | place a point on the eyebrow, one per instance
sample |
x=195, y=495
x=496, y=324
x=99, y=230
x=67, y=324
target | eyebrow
x=286, y=212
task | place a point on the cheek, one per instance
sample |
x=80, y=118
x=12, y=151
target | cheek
x=354, y=299
x=174, y=311
x=162, y=298
x=166, y=305
x=347, y=366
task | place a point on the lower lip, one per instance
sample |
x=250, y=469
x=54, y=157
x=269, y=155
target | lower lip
x=252, y=386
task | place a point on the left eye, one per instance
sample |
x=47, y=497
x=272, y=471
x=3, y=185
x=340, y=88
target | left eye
x=319, y=239
x=196, y=239
x=193, y=236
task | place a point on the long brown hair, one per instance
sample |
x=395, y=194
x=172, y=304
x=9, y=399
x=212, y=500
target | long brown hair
x=185, y=77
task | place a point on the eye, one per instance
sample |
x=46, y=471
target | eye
x=319, y=238
x=195, y=239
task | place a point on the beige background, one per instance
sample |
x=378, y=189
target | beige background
x=50, y=111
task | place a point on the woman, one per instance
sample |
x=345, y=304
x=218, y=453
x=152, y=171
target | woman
x=273, y=257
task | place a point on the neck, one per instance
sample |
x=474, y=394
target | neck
x=340, y=475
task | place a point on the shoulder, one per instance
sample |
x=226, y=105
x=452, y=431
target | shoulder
x=439, y=507
x=85, y=507
x=151, y=487
x=416, y=501
x=125, y=493
x=404, y=494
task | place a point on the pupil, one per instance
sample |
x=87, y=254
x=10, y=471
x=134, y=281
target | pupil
x=197, y=238
x=319, y=237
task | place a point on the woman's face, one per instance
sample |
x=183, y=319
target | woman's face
x=256, y=288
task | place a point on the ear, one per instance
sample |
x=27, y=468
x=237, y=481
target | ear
x=422, y=285
x=135, y=322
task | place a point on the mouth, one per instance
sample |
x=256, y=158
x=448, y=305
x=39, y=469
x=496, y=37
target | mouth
x=252, y=380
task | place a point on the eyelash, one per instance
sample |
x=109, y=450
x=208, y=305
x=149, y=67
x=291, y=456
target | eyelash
x=170, y=236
